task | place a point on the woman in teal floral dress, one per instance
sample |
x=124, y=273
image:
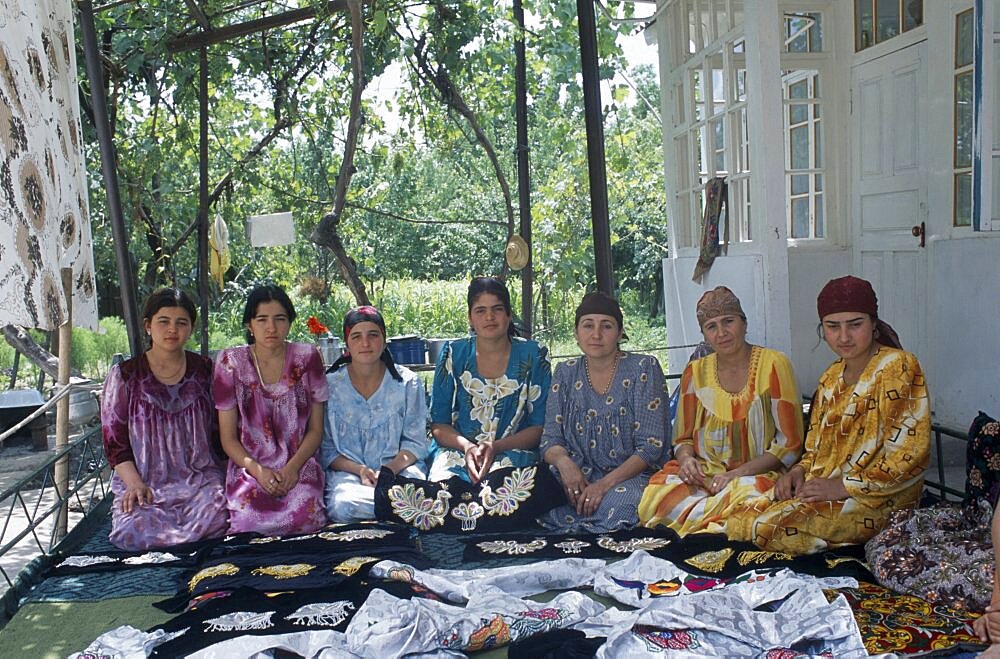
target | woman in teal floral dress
x=488, y=400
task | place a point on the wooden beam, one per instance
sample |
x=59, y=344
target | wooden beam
x=218, y=35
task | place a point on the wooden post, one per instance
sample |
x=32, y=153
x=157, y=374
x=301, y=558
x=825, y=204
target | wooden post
x=62, y=408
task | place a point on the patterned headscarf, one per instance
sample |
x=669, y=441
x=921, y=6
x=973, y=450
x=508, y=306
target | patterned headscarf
x=366, y=314
x=720, y=301
x=857, y=295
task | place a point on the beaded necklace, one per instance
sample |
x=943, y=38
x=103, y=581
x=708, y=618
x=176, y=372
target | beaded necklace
x=614, y=369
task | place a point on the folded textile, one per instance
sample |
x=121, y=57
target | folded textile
x=389, y=626
x=788, y=616
x=518, y=580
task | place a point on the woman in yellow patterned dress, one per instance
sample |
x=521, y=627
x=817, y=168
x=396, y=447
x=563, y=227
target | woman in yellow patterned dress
x=868, y=441
x=738, y=426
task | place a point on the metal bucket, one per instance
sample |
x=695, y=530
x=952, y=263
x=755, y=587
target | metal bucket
x=434, y=348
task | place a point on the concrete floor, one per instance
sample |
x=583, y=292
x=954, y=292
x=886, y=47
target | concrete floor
x=17, y=462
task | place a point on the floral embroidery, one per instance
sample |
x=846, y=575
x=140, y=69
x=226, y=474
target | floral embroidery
x=559, y=418
x=86, y=561
x=409, y=502
x=654, y=404
x=222, y=569
x=329, y=614
x=758, y=557
x=283, y=571
x=571, y=546
x=578, y=385
x=528, y=623
x=609, y=400
x=264, y=540
x=512, y=547
x=629, y=546
x=468, y=514
x=515, y=490
x=712, y=561
x=493, y=634
x=240, y=621
x=151, y=557
x=626, y=383
x=643, y=377
x=353, y=564
x=555, y=387
x=356, y=534
x=657, y=640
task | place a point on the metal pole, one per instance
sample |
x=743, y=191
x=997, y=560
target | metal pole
x=523, y=173
x=62, y=409
x=595, y=146
x=203, y=196
x=99, y=101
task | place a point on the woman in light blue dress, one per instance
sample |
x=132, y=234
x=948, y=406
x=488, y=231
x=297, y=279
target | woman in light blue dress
x=376, y=417
x=488, y=400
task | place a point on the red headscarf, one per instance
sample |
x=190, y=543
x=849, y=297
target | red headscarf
x=855, y=294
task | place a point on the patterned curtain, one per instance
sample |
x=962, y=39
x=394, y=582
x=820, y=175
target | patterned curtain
x=44, y=216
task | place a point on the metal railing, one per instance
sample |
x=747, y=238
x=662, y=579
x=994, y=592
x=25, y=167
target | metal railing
x=37, y=497
x=941, y=484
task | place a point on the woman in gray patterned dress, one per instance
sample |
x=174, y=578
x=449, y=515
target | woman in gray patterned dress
x=605, y=424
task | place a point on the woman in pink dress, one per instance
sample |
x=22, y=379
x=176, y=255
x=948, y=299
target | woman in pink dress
x=270, y=396
x=160, y=437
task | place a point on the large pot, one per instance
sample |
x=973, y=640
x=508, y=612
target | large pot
x=434, y=348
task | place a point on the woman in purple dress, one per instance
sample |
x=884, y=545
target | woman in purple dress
x=270, y=397
x=160, y=437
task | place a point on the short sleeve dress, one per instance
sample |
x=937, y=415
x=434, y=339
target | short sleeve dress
x=169, y=432
x=726, y=430
x=272, y=421
x=488, y=408
x=370, y=432
x=601, y=431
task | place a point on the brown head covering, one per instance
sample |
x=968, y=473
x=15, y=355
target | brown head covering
x=601, y=303
x=720, y=301
x=855, y=294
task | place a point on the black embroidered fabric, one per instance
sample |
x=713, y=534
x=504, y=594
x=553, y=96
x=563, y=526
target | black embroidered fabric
x=324, y=560
x=706, y=554
x=506, y=499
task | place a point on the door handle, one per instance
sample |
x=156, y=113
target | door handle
x=919, y=231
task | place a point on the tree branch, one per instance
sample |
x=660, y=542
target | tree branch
x=325, y=232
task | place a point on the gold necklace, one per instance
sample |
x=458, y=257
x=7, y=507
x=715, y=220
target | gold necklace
x=256, y=365
x=614, y=369
x=158, y=367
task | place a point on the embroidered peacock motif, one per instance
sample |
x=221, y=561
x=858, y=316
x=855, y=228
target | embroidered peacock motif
x=409, y=502
x=508, y=497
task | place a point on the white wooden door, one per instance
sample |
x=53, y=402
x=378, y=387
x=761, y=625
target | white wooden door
x=890, y=198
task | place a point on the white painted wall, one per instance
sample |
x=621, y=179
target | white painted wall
x=809, y=270
x=963, y=365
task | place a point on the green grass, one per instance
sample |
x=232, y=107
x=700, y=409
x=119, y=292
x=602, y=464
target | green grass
x=428, y=309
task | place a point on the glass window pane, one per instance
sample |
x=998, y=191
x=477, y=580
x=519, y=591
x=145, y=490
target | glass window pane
x=963, y=39
x=818, y=211
x=818, y=145
x=698, y=92
x=679, y=99
x=741, y=85
x=799, y=89
x=963, y=200
x=816, y=93
x=798, y=113
x=913, y=14
x=800, y=217
x=816, y=33
x=864, y=33
x=719, y=135
x=963, y=120
x=887, y=20
x=800, y=184
x=819, y=182
x=718, y=89
x=797, y=25
x=799, y=138
x=699, y=148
